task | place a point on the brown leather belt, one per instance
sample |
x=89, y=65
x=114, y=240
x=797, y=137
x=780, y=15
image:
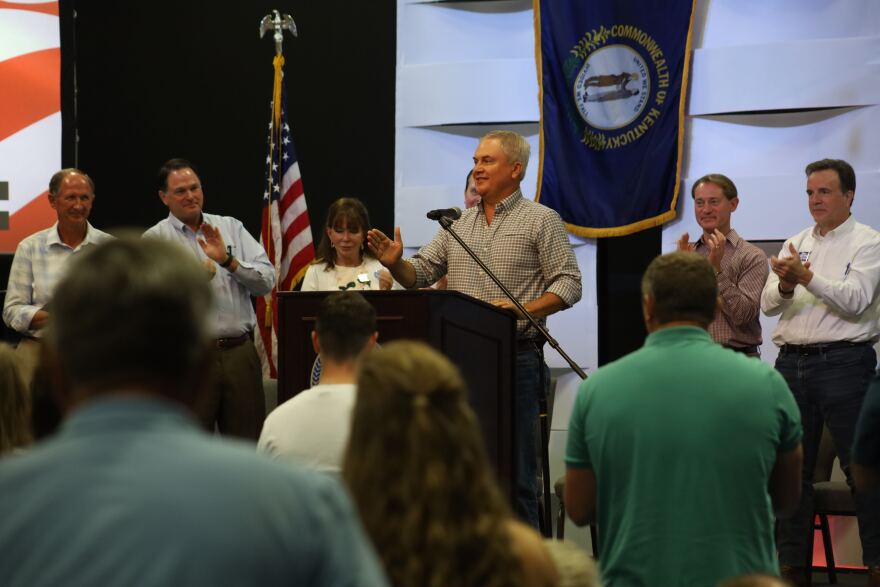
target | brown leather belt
x=224, y=344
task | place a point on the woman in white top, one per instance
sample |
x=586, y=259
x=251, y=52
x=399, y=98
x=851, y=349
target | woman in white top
x=343, y=260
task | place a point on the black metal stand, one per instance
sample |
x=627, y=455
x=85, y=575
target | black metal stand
x=547, y=529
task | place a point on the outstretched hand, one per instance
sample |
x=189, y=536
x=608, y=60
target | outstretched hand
x=684, y=244
x=387, y=251
x=213, y=244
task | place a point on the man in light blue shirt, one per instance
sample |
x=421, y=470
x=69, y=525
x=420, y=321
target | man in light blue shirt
x=41, y=259
x=238, y=268
x=130, y=492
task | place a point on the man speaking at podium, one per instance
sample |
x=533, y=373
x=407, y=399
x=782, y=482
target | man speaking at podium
x=525, y=245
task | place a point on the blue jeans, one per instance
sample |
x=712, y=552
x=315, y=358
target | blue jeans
x=529, y=368
x=829, y=388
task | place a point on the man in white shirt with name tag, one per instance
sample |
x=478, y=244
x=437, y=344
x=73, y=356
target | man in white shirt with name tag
x=824, y=286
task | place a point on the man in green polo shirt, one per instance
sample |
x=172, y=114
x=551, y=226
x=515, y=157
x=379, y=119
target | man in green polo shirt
x=683, y=450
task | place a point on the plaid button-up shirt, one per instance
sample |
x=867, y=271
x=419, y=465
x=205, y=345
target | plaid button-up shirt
x=39, y=264
x=744, y=270
x=525, y=246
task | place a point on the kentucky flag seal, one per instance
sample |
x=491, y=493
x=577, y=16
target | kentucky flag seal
x=612, y=75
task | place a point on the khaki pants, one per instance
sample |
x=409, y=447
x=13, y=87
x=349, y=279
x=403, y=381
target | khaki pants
x=234, y=401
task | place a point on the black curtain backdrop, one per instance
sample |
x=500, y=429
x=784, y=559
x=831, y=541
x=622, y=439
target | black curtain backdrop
x=156, y=80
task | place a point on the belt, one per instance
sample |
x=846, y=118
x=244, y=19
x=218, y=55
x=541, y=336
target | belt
x=224, y=344
x=746, y=350
x=529, y=344
x=821, y=347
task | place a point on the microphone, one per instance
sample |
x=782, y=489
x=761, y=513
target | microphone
x=451, y=213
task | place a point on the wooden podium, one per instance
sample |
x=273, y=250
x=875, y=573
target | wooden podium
x=477, y=337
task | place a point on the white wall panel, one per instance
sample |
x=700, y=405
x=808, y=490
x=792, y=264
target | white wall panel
x=467, y=92
x=576, y=329
x=436, y=154
x=808, y=74
x=726, y=23
x=466, y=31
x=769, y=144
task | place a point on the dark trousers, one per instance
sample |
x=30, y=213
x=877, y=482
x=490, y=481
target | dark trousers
x=234, y=400
x=529, y=369
x=829, y=387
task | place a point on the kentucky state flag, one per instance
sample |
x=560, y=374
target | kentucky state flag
x=612, y=76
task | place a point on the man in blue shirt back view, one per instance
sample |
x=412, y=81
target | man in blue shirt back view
x=131, y=491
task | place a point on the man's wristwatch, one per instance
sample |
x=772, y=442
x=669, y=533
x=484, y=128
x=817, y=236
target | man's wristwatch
x=229, y=258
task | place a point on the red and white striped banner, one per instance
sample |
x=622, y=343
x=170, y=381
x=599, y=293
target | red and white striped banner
x=30, y=115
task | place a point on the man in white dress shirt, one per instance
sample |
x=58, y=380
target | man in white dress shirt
x=238, y=268
x=312, y=427
x=824, y=286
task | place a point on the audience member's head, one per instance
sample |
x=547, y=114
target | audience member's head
x=346, y=216
x=576, y=568
x=15, y=405
x=418, y=471
x=131, y=317
x=754, y=580
x=679, y=287
x=345, y=326
x=471, y=195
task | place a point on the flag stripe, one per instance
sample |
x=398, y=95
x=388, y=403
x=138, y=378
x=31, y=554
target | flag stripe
x=37, y=94
x=43, y=7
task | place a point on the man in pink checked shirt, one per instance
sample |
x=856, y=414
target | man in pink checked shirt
x=741, y=267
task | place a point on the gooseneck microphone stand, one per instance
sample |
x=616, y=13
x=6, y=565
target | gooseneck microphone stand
x=446, y=223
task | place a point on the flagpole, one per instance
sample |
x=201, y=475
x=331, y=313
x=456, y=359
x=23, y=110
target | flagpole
x=277, y=23
x=273, y=236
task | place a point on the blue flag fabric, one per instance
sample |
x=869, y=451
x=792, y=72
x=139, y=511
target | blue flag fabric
x=612, y=76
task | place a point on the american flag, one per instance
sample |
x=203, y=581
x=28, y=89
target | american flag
x=286, y=233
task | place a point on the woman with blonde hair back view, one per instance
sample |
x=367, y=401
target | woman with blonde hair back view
x=418, y=472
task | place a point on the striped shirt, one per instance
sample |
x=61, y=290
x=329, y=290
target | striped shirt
x=525, y=246
x=744, y=270
x=39, y=264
